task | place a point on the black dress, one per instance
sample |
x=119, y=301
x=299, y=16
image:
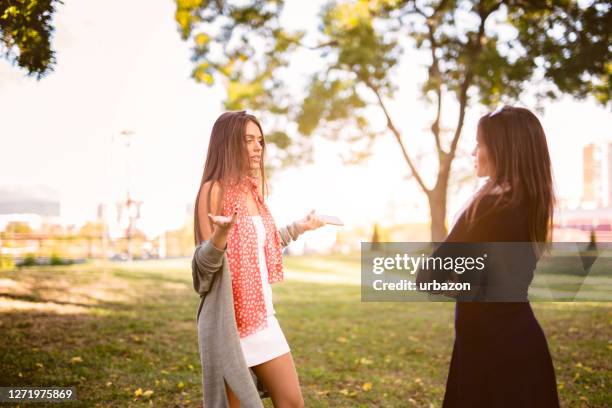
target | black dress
x=500, y=356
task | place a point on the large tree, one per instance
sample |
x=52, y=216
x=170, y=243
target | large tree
x=246, y=48
x=25, y=34
x=477, y=52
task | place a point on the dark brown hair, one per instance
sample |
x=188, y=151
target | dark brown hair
x=227, y=159
x=519, y=159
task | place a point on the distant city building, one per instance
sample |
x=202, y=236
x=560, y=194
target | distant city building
x=597, y=175
x=577, y=224
x=609, y=162
x=37, y=207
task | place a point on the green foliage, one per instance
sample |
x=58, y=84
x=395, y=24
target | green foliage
x=375, y=234
x=375, y=246
x=92, y=229
x=476, y=51
x=335, y=109
x=18, y=227
x=361, y=49
x=56, y=260
x=360, y=42
x=6, y=262
x=592, y=240
x=571, y=42
x=243, y=45
x=29, y=260
x=25, y=32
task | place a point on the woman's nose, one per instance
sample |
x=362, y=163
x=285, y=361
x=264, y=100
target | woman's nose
x=474, y=152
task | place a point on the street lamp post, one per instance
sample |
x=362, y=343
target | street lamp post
x=131, y=206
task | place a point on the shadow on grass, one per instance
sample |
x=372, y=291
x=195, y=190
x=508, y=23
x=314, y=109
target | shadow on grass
x=110, y=333
x=38, y=299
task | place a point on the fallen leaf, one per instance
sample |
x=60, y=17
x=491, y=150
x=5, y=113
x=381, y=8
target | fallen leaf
x=366, y=386
x=138, y=392
x=76, y=359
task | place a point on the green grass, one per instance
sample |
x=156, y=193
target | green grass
x=109, y=330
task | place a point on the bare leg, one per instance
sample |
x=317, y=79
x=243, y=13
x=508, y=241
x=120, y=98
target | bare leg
x=280, y=378
x=234, y=402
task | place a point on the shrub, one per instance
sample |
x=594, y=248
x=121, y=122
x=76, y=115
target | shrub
x=6, y=262
x=56, y=260
x=29, y=260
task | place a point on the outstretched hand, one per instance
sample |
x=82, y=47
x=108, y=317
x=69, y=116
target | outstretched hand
x=224, y=222
x=311, y=222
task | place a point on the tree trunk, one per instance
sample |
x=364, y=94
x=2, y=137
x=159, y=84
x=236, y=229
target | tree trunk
x=437, y=210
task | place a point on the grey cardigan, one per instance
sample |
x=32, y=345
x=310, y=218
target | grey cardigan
x=219, y=344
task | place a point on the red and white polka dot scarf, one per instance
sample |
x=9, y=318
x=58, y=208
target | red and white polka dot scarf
x=249, y=304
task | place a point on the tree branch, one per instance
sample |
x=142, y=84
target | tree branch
x=463, y=98
x=318, y=46
x=440, y=6
x=398, y=137
x=435, y=72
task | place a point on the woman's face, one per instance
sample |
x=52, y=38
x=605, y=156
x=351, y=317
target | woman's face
x=254, y=143
x=481, y=158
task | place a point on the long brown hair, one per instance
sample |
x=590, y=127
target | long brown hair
x=227, y=160
x=518, y=154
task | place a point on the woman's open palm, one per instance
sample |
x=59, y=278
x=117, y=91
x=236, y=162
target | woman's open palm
x=224, y=222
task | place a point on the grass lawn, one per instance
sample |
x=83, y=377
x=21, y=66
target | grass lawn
x=125, y=335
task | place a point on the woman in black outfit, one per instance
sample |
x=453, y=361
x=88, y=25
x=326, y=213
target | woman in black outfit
x=500, y=356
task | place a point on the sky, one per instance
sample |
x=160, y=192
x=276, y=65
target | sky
x=122, y=66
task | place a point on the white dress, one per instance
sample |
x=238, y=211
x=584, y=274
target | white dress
x=270, y=342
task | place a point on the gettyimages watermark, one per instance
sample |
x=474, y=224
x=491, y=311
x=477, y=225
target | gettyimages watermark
x=486, y=272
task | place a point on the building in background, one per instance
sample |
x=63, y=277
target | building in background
x=609, y=172
x=38, y=207
x=597, y=175
x=594, y=215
